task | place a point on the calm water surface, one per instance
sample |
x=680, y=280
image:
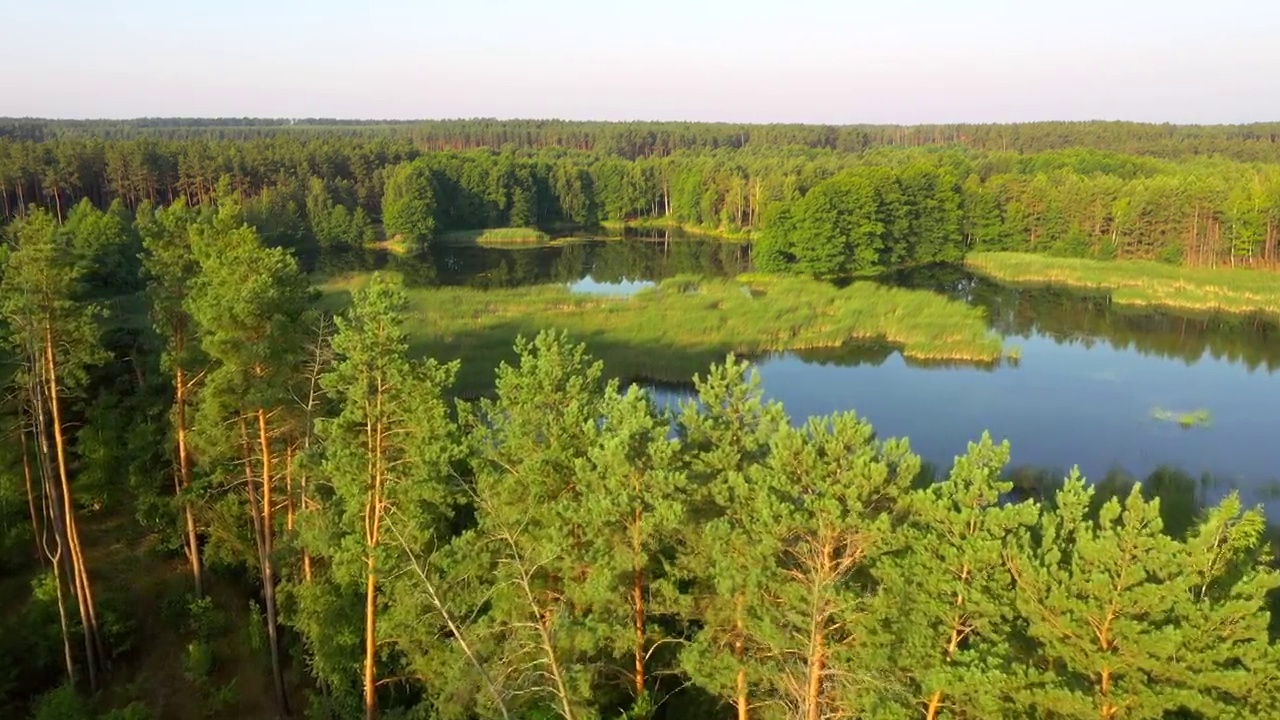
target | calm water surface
x=1083, y=393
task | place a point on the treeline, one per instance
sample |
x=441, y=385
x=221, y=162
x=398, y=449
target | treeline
x=857, y=211
x=1258, y=142
x=563, y=548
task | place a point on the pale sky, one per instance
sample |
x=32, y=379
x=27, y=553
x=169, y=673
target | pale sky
x=819, y=61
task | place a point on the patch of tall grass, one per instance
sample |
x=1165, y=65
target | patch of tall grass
x=720, y=233
x=1133, y=282
x=672, y=331
x=493, y=236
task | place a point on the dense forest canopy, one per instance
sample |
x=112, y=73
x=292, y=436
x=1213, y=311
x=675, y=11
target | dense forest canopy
x=1253, y=142
x=821, y=205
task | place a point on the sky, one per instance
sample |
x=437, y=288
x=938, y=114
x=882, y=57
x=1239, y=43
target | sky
x=817, y=61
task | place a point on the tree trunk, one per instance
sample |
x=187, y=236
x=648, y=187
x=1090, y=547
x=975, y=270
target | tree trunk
x=184, y=472
x=306, y=554
x=817, y=639
x=370, y=641
x=637, y=603
x=268, y=570
x=52, y=504
x=935, y=705
x=739, y=653
x=79, y=578
x=31, y=495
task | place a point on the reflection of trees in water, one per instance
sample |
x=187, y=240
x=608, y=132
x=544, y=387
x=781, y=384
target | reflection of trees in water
x=605, y=261
x=1075, y=317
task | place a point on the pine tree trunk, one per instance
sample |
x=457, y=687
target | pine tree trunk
x=53, y=511
x=79, y=578
x=637, y=603
x=268, y=570
x=375, y=432
x=306, y=554
x=184, y=471
x=935, y=705
x=739, y=653
x=817, y=640
x=31, y=495
x=370, y=641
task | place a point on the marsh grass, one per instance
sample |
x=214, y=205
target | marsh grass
x=1133, y=282
x=669, y=332
x=685, y=228
x=494, y=236
x=1189, y=419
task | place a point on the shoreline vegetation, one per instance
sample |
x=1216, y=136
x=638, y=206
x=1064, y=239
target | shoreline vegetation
x=1140, y=283
x=666, y=223
x=688, y=322
x=494, y=236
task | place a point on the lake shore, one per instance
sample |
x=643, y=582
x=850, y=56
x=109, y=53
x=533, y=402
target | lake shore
x=1141, y=283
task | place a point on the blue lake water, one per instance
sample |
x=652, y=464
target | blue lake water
x=1089, y=379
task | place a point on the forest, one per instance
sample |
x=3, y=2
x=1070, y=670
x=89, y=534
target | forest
x=226, y=492
x=1096, y=190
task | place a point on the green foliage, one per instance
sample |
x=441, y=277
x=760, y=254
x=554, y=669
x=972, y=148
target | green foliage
x=409, y=203
x=63, y=703
x=946, y=606
x=41, y=291
x=385, y=471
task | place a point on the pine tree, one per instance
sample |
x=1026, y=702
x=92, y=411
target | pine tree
x=248, y=303
x=56, y=336
x=527, y=444
x=1102, y=607
x=842, y=490
x=387, y=455
x=170, y=266
x=945, y=614
x=631, y=490
x=1227, y=665
x=731, y=555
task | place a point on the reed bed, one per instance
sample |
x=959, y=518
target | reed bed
x=494, y=236
x=1133, y=282
x=672, y=331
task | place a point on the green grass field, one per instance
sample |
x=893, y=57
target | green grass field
x=672, y=331
x=1133, y=282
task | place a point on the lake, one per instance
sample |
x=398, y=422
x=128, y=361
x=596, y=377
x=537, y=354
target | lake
x=1090, y=380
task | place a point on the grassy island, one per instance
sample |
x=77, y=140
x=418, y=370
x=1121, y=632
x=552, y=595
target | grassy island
x=678, y=328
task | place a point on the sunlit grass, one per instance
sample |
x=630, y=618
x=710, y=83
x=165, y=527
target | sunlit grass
x=493, y=236
x=1140, y=282
x=672, y=331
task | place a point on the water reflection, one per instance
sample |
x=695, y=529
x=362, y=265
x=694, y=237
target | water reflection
x=604, y=262
x=1072, y=317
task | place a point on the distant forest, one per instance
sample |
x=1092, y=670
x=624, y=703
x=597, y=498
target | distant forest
x=887, y=195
